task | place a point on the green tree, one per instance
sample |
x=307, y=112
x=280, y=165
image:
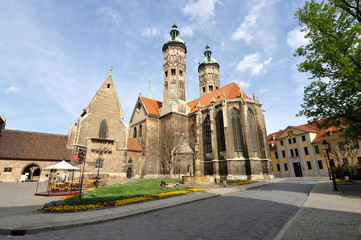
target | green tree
x=333, y=58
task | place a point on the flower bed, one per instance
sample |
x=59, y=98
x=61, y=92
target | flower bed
x=83, y=207
x=243, y=182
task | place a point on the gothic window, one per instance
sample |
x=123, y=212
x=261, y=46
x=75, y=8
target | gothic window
x=220, y=132
x=204, y=89
x=210, y=87
x=216, y=87
x=103, y=129
x=180, y=73
x=173, y=71
x=108, y=85
x=140, y=131
x=166, y=85
x=237, y=132
x=135, y=132
x=166, y=73
x=181, y=85
x=252, y=130
x=207, y=135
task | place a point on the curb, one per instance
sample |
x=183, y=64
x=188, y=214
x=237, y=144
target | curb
x=26, y=230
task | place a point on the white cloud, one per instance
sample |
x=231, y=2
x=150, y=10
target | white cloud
x=262, y=90
x=201, y=11
x=250, y=21
x=243, y=84
x=12, y=89
x=187, y=31
x=258, y=25
x=109, y=15
x=254, y=63
x=296, y=38
x=150, y=32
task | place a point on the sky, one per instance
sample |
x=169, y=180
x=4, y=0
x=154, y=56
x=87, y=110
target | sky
x=55, y=55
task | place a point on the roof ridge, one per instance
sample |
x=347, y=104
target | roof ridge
x=14, y=130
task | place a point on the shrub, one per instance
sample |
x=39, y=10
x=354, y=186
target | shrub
x=353, y=171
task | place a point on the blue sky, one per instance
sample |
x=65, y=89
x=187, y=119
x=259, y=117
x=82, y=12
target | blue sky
x=54, y=55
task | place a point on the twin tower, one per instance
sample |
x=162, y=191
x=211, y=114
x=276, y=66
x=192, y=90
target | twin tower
x=174, y=74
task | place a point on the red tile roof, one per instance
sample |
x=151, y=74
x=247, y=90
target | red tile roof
x=133, y=145
x=308, y=127
x=151, y=105
x=16, y=144
x=231, y=91
x=273, y=142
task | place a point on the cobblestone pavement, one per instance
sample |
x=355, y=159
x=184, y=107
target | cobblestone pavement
x=19, y=198
x=258, y=213
x=318, y=218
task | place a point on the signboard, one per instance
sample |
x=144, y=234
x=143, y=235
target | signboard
x=78, y=162
x=81, y=153
x=92, y=164
x=75, y=158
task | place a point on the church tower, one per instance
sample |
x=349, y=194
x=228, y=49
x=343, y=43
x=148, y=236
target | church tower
x=208, y=70
x=174, y=74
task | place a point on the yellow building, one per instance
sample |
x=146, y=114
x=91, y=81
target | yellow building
x=297, y=151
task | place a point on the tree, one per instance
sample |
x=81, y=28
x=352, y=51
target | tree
x=333, y=58
x=170, y=143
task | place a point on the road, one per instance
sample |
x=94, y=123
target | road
x=258, y=213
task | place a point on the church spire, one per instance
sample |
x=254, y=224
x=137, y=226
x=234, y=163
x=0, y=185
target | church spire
x=208, y=70
x=149, y=92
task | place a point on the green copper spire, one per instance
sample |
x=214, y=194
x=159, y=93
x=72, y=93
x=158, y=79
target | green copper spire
x=149, y=93
x=174, y=39
x=208, y=57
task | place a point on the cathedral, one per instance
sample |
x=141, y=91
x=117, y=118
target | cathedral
x=224, y=126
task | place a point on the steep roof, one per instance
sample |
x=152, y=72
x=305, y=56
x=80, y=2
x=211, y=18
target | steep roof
x=231, y=90
x=133, y=145
x=152, y=106
x=16, y=144
x=271, y=138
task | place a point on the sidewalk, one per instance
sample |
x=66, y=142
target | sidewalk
x=36, y=221
x=326, y=215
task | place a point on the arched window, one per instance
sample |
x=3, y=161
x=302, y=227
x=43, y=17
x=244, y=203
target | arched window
x=252, y=130
x=207, y=136
x=221, y=143
x=140, y=131
x=103, y=129
x=237, y=131
x=135, y=132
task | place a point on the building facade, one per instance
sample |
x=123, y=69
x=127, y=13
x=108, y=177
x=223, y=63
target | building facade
x=297, y=151
x=161, y=137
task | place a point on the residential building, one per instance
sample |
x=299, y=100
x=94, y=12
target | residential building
x=297, y=151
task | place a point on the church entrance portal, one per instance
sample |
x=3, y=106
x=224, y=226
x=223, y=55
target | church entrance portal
x=129, y=172
x=32, y=172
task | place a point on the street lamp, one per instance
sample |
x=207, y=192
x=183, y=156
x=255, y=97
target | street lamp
x=327, y=147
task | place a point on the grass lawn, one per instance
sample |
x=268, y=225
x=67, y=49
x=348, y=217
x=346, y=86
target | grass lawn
x=125, y=191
